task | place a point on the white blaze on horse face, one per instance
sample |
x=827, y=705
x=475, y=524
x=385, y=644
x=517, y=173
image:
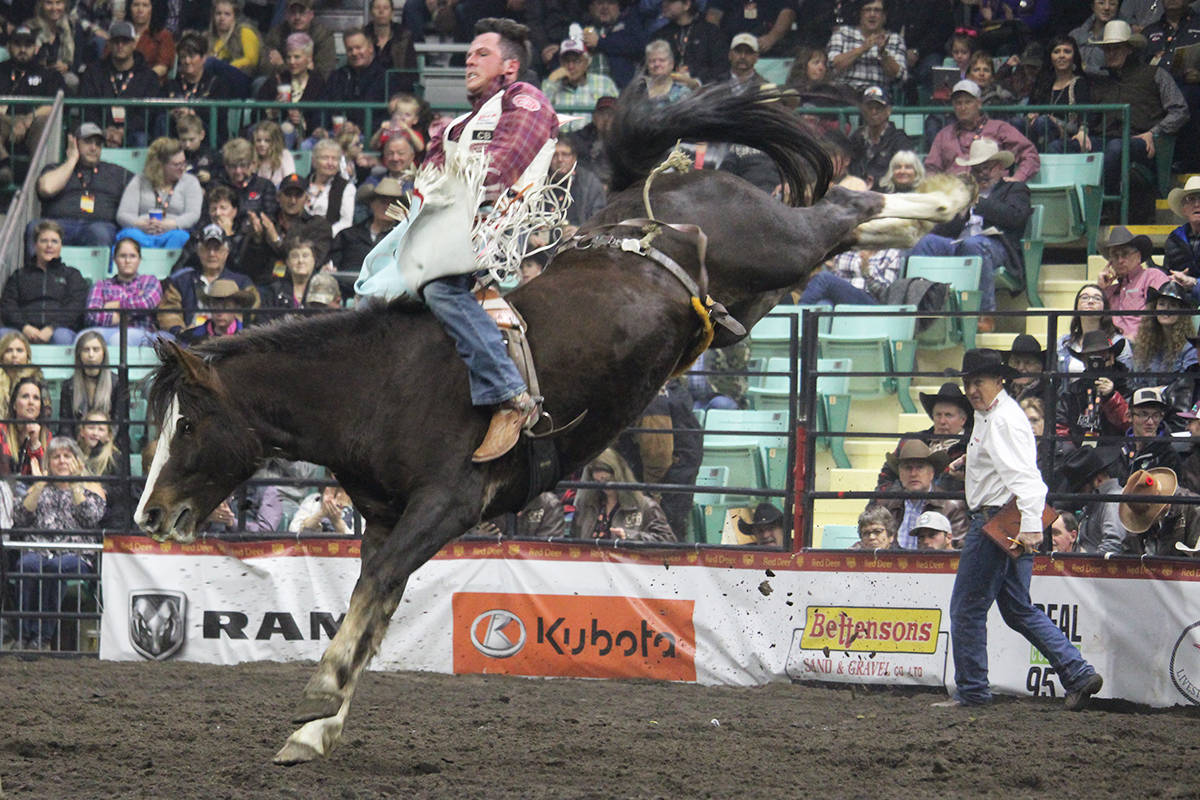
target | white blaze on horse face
x=161, y=453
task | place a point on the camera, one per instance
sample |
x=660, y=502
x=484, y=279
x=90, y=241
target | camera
x=1096, y=362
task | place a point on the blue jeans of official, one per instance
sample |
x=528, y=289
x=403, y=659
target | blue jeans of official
x=78, y=233
x=825, y=287
x=45, y=594
x=494, y=376
x=988, y=249
x=987, y=575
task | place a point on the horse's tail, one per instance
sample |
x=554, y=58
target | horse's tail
x=642, y=133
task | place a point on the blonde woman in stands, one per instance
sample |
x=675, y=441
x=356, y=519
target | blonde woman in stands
x=330, y=195
x=162, y=204
x=234, y=41
x=15, y=357
x=62, y=43
x=93, y=386
x=271, y=159
x=103, y=458
x=905, y=173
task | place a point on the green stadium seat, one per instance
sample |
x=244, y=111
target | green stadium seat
x=745, y=455
x=961, y=273
x=900, y=332
x=771, y=337
x=1005, y=279
x=56, y=361
x=773, y=392
x=92, y=262
x=833, y=405
x=131, y=158
x=1070, y=188
x=838, y=537
x=775, y=70
x=303, y=159
x=159, y=261
x=705, y=504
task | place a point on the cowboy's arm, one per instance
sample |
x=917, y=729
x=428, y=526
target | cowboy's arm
x=526, y=123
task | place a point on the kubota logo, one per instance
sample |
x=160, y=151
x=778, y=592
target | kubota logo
x=498, y=633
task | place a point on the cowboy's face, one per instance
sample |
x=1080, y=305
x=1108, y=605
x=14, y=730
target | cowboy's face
x=1124, y=259
x=1191, y=210
x=916, y=475
x=1115, y=55
x=769, y=535
x=1025, y=364
x=981, y=390
x=988, y=173
x=948, y=419
x=486, y=62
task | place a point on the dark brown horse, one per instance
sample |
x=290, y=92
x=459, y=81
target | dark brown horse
x=380, y=396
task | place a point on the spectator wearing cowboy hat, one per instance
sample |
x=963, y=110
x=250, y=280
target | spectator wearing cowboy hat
x=571, y=86
x=1156, y=106
x=1149, y=412
x=933, y=532
x=1159, y=528
x=1094, y=405
x=918, y=466
x=992, y=228
x=971, y=124
x=1164, y=345
x=224, y=301
x=765, y=528
x=1125, y=278
x=1096, y=470
x=1001, y=468
x=351, y=246
x=184, y=291
x=1028, y=358
x=951, y=416
x=1181, y=252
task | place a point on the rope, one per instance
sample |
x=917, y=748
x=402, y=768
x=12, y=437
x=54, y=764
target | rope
x=677, y=160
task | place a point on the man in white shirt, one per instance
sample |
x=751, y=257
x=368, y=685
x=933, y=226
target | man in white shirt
x=1001, y=462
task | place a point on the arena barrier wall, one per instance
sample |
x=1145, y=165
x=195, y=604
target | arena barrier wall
x=713, y=616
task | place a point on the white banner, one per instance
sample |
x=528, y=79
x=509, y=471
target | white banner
x=711, y=616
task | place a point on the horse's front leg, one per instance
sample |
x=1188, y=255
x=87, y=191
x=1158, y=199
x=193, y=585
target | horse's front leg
x=389, y=557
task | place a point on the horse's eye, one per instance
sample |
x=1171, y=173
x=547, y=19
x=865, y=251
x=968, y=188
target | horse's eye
x=185, y=427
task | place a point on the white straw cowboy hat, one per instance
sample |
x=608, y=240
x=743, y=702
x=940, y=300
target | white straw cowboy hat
x=984, y=150
x=1118, y=32
x=1138, y=516
x=1175, y=198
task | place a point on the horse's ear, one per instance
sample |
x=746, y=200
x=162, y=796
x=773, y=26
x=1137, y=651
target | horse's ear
x=196, y=370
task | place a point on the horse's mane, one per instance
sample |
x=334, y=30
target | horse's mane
x=642, y=133
x=291, y=334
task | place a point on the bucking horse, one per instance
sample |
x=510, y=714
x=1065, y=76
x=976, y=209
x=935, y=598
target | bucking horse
x=378, y=394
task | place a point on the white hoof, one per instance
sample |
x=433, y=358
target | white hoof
x=312, y=740
x=294, y=753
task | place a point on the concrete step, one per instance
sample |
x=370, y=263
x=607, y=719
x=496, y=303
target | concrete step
x=869, y=453
x=852, y=480
x=914, y=422
x=1157, y=233
x=1076, y=271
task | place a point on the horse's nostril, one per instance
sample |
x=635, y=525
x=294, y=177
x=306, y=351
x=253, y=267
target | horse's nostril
x=153, y=518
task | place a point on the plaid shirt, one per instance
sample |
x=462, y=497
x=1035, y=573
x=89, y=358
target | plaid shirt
x=579, y=100
x=867, y=69
x=527, y=122
x=143, y=292
x=883, y=267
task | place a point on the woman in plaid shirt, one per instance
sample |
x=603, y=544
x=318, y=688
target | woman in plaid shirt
x=127, y=290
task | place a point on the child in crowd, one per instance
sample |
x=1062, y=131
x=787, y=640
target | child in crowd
x=202, y=161
x=271, y=159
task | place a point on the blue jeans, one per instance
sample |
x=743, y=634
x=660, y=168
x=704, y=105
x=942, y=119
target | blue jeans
x=136, y=337
x=987, y=575
x=78, y=233
x=1112, y=162
x=825, y=287
x=988, y=249
x=171, y=240
x=45, y=595
x=60, y=335
x=494, y=376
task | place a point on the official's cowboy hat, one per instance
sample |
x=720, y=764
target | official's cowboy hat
x=1083, y=464
x=1172, y=290
x=225, y=289
x=1119, y=235
x=387, y=187
x=1137, y=517
x=1025, y=345
x=985, y=150
x=1117, y=31
x=1175, y=198
x=916, y=450
x=1096, y=341
x=766, y=515
x=948, y=393
x=985, y=361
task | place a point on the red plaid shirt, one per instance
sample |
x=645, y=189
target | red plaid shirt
x=526, y=123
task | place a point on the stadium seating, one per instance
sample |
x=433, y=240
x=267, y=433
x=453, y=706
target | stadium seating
x=900, y=332
x=833, y=405
x=159, y=261
x=131, y=158
x=303, y=159
x=838, y=537
x=92, y=262
x=56, y=361
x=1069, y=188
x=753, y=453
x=961, y=273
x=709, y=508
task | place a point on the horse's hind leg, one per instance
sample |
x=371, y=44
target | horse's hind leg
x=393, y=556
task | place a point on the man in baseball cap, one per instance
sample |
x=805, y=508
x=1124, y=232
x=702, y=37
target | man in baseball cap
x=932, y=532
x=574, y=85
x=874, y=143
x=23, y=124
x=743, y=58
x=970, y=124
x=121, y=75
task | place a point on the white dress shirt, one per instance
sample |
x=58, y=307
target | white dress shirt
x=1002, y=462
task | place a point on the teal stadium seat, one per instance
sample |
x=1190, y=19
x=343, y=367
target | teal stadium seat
x=1069, y=187
x=303, y=159
x=899, y=331
x=838, y=537
x=56, y=361
x=833, y=405
x=961, y=273
x=159, y=261
x=761, y=436
x=709, y=508
x=92, y=262
x=131, y=158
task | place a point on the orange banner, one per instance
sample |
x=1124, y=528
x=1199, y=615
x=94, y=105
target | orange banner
x=573, y=636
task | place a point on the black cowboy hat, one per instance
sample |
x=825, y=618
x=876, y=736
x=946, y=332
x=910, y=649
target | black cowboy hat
x=1025, y=345
x=916, y=450
x=1096, y=341
x=1172, y=290
x=985, y=361
x=949, y=393
x=1120, y=235
x=1083, y=464
x=765, y=515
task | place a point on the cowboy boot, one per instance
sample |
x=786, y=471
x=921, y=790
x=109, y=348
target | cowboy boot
x=511, y=417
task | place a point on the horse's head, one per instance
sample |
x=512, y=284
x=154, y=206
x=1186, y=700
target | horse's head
x=206, y=446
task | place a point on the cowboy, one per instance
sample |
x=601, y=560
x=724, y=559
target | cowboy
x=1027, y=357
x=1094, y=405
x=1158, y=529
x=1001, y=468
x=225, y=302
x=992, y=228
x=1156, y=107
x=511, y=128
x=951, y=415
x=1095, y=470
x=1125, y=278
x=933, y=532
x=971, y=124
x=1149, y=412
x=918, y=466
x=765, y=528
x=1181, y=252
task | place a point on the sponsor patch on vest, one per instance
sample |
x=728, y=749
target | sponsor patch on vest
x=526, y=102
x=481, y=136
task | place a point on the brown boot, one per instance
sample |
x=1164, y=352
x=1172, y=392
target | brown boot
x=510, y=419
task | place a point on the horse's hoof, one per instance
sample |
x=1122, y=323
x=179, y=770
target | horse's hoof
x=317, y=706
x=295, y=753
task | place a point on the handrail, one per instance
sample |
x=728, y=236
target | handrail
x=24, y=201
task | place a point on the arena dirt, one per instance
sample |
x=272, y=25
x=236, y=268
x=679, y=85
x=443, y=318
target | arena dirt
x=74, y=728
